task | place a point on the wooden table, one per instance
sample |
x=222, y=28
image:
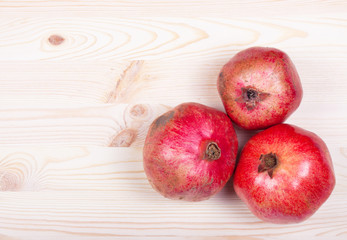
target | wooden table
x=80, y=82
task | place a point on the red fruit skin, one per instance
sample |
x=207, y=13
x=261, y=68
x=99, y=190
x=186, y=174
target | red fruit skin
x=174, y=152
x=301, y=182
x=268, y=70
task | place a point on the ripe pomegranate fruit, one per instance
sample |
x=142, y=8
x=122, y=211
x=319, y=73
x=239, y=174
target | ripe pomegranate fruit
x=190, y=152
x=259, y=87
x=284, y=174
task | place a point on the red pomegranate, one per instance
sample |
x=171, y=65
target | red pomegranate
x=284, y=174
x=190, y=152
x=259, y=87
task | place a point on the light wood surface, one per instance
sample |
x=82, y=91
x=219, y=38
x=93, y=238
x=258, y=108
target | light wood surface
x=80, y=82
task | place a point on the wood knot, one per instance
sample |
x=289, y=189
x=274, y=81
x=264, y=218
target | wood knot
x=56, y=39
x=138, y=111
x=9, y=181
x=125, y=138
x=127, y=83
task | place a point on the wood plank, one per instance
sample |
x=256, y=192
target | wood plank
x=111, y=38
x=125, y=125
x=119, y=125
x=37, y=84
x=48, y=168
x=103, y=193
x=93, y=215
x=181, y=8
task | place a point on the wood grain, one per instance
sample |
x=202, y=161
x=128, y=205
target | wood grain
x=37, y=84
x=59, y=84
x=88, y=192
x=64, y=168
x=180, y=8
x=119, y=125
x=110, y=38
x=124, y=125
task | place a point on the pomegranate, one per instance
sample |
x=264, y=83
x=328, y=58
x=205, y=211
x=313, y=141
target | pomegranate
x=259, y=87
x=190, y=152
x=284, y=174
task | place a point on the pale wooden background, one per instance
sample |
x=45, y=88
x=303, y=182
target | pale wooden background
x=74, y=114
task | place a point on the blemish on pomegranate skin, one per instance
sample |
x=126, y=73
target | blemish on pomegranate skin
x=163, y=119
x=221, y=82
x=56, y=39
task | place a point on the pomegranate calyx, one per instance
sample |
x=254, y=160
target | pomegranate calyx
x=212, y=152
x=251, y=97
x=268, y=163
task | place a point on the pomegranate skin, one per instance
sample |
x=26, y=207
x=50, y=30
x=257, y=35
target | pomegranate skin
x=190, y=152
x=302, y=178
x=259, y=87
